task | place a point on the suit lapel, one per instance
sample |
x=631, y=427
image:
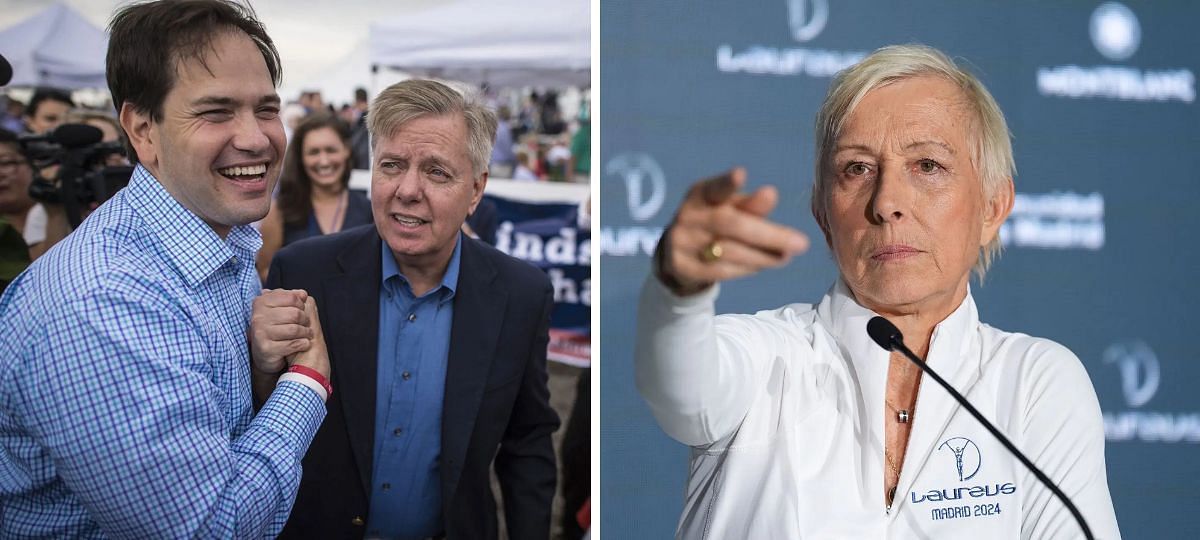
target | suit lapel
x=353, y=295
x=479, y=306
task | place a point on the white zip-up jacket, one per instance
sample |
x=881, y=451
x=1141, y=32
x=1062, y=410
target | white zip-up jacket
x=784, y=412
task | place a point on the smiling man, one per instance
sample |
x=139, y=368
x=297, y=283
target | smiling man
x=126, y=409
x=439, y=342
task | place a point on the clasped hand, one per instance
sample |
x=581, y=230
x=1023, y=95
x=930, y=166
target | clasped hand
x=286, y=330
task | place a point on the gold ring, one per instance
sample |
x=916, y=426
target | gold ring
x=713, y=252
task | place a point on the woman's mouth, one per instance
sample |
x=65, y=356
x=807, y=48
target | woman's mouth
x=894, y=252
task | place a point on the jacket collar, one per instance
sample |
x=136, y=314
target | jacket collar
x=950, y=355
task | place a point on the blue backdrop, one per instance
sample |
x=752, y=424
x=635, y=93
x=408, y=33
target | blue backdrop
x=1099, y=254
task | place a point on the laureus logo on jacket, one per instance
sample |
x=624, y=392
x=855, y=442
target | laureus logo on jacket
x=962, y=459
x=966, y=456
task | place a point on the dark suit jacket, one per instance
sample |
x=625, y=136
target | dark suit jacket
x=496, y=399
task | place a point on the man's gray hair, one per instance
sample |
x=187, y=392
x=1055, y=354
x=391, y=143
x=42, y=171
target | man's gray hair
x=408, y=100
x=991, y=152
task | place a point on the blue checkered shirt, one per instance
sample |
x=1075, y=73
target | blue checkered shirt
x=125, y=405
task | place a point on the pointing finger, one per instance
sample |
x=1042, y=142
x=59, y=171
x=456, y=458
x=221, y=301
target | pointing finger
x=721, y=188
x=761, y=202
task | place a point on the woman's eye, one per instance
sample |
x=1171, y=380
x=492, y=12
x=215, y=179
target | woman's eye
x=857, y=169
x=928, y=166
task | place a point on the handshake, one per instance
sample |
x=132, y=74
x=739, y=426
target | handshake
x=285, y=331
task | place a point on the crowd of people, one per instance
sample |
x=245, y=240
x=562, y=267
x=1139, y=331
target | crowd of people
x=537, y=144
x=31, y=227
x=313, y=196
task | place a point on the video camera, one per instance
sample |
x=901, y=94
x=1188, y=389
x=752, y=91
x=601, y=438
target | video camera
x=83, y=177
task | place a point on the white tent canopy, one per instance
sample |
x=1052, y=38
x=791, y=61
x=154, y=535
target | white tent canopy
x=338, y=81
x=56, y=47
x=505, y=43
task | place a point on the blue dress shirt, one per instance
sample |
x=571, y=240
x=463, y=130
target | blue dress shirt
x=414, y=341
x=125, y=397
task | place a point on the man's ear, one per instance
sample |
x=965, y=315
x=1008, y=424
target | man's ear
x=478, y=184
x=140, y=129
x=996, y=209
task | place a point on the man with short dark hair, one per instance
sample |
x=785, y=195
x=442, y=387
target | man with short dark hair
x=360, y=148
x=47, y=110
x=126, y=404
x=439, y=342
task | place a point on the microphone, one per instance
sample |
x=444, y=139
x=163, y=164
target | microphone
x=76, y=135
x=6, y=71
x=886, y=335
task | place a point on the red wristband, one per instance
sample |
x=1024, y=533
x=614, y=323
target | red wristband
x=314, y=375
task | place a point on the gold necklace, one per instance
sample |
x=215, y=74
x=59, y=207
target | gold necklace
x=891, y=464
x=891, y=493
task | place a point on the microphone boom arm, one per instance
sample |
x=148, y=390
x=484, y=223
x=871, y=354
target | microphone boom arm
x=891, y=340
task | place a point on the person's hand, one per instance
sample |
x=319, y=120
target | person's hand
x=317, y=356
x=719, y=234
x=280, y=326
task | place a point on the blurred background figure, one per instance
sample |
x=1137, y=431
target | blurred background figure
x=558, y=159
x=10, y=119
x=15, y=176
x=312, y=101
x=522, y=171
x=314, y=194
x=503, y=158
x=581, y=146
x=551, y=114
x=360, y=141
x=47, y=110
x=292, y=114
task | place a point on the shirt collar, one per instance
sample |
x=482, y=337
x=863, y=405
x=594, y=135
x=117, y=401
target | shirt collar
x=449, y=279
x=193, y=247
x=847, y=320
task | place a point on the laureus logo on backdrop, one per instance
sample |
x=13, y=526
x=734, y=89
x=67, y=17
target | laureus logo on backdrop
x=806, y=19
x=645, y=193
x=1140, y=374
x=1116, y=33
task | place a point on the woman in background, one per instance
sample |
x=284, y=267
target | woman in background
x=314, y=196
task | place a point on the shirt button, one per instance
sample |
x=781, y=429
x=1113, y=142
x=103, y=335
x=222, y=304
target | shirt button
x=386, y=486
x=406, y=375
x=398, y=431
x=412, y=317
x=357, y=521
